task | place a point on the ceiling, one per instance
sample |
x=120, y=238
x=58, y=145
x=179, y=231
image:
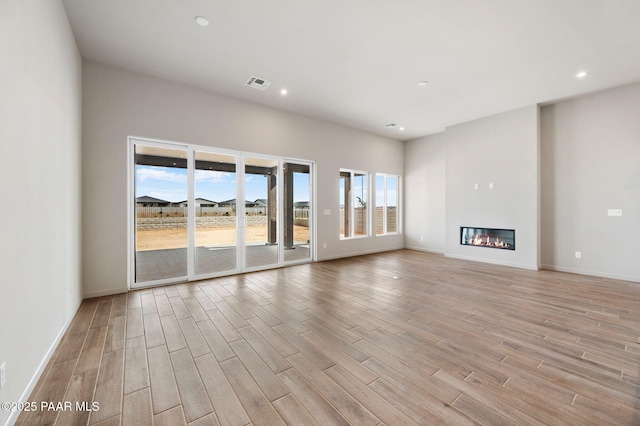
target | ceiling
x=358, y=62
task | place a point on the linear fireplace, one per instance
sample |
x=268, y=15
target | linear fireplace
x=488, y=237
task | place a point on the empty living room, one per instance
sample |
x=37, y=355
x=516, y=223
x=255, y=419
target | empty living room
x=285, y=212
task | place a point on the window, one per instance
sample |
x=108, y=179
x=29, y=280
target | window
x=354, y=197
x=387, y=212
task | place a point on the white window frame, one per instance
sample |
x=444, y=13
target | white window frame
x=352, y=202
x=384, y=205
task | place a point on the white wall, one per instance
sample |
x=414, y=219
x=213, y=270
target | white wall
x=117, y=104
x=40, y=128
x=425, y=193
x=502, y=149
x=591, y=163
x=442, y=169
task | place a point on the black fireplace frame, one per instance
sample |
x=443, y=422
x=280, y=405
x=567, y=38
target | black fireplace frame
x=489, y=231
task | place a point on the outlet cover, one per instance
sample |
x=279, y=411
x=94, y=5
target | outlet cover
x=578, y=255
x=614, y=212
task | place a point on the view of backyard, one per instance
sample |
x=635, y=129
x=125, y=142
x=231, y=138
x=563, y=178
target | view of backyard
x=159, y=239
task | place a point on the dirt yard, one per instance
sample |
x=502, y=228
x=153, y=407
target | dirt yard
x=177, y=238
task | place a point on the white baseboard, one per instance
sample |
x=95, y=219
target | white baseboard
x=43, y=364
x=109, y=292
x=360, y=253
x=591, y=273
x=424, y=249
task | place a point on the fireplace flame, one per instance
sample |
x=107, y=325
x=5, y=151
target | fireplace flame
x=481, y=240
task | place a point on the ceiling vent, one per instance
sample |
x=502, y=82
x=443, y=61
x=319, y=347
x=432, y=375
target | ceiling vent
x=257, y=83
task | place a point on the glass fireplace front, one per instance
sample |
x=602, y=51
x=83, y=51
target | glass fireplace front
x=488, y=237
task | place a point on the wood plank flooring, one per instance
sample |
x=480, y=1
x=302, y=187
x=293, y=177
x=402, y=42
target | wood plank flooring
x=397, y=338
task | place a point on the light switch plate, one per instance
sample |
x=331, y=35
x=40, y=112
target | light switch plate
x=326, y=212
x=614, y=212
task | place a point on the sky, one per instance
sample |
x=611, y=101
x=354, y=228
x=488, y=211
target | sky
x=170, y=184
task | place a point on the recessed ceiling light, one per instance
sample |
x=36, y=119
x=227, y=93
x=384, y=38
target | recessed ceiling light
x=283, y=92
x=423, y=83
x=202, y=21
x=582, y=74
x=401, y=128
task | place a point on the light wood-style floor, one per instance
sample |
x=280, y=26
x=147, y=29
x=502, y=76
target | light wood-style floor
x=396, y=338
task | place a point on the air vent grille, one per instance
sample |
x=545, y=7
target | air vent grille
x=257, y=83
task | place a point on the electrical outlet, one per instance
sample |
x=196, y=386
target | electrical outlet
x=3, y=374
x=324, y=245
x=578, y=255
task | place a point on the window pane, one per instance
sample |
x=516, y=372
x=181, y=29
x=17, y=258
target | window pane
x=297, y=204
x=261, y=212
x=360, y=222
x=354, y=204
x=215, y=230
x=392, y=204
x=345, y=228
x=380, y=205
x=161, y=215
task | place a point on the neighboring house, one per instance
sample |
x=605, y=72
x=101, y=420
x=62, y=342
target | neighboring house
x=247, y=203
x=146, y=201
x=301, y=205
x=200, y=202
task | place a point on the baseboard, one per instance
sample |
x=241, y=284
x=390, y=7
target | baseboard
x=360, y=253
x=426, y=250
x=493, y=262
x=591, y=273
x=109, y=292
x=13, y=417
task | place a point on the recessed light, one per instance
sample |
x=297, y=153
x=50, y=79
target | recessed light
x=283, y=92
x=423, y=83
x=401, y=128
x=582, y=74
x=202, y=21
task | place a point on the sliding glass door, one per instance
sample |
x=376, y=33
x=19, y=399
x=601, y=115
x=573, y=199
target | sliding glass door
x=161, y=235
x=216, y=222
x=201, y=212
x=297, y=212
x=261, y=212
